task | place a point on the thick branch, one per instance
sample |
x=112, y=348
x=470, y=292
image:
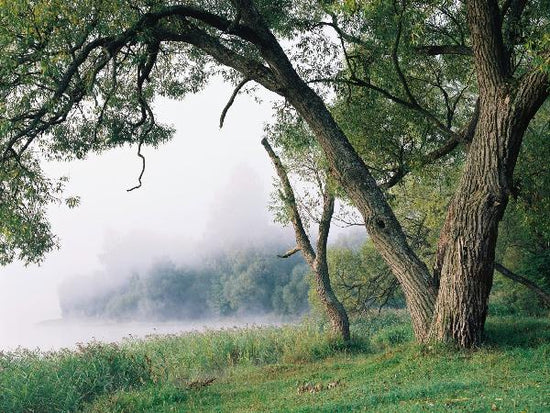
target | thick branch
x=250, y=68
x=444, y=49
x=302, y=238
x=525, y=281
x=492, y=64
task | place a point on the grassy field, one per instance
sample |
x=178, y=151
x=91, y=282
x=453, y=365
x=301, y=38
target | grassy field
x=287, y=369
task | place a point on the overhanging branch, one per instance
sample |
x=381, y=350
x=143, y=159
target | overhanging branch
x=544, y=296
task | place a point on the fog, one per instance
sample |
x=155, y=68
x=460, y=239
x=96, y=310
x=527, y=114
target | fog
x=205, y=191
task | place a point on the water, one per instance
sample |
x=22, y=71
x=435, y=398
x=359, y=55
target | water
x=56, y=334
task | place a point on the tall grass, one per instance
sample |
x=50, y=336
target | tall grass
x=158, y=370
x=32, y=381
x=64, y=381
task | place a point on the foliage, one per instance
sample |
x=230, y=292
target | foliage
x=252, y=281
x=362, y=280
x=524, y=242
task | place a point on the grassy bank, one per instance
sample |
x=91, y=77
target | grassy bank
x=288, y=369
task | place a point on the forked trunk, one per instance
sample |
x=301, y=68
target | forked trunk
x=466, y=253
x=317, y=260
x=333, y=307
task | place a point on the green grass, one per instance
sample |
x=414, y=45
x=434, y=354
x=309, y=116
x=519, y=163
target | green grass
x=264, y=369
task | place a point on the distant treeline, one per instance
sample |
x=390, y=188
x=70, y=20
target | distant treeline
x=251, y=281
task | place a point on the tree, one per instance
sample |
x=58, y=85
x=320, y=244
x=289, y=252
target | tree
x=316, y=257
x=81, y=76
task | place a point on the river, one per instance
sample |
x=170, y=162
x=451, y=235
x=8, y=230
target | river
x=56, y=334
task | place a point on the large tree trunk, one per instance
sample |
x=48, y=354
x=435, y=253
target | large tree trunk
x=466, y=253
x=466, y=250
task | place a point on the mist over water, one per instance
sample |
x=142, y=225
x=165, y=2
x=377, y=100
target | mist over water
x=205, y=192
x=57, y=334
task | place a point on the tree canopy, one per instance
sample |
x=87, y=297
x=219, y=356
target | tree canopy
x=385, y=88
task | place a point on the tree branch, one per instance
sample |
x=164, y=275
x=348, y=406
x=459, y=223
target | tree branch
x=525, y=281
x=445, y=49
x=232, y=99
x=302, y=238
x=324, y=225
x=142, y=168
x=250, y=68
x=290, y=252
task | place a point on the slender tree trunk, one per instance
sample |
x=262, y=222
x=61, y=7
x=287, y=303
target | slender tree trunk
x=333, y=307
x=317, y=260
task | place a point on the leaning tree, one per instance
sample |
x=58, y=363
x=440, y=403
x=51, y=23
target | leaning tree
x=81, y=76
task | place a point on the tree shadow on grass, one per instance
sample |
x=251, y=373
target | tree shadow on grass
x=524, y=332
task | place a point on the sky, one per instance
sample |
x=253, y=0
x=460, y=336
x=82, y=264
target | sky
x=206, y=184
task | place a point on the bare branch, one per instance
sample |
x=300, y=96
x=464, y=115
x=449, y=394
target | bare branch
x=232, y=99
x=290, y=252
x=142, y=168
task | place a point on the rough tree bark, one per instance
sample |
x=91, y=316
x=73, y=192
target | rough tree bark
x=317, y=260
x=466, y=251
